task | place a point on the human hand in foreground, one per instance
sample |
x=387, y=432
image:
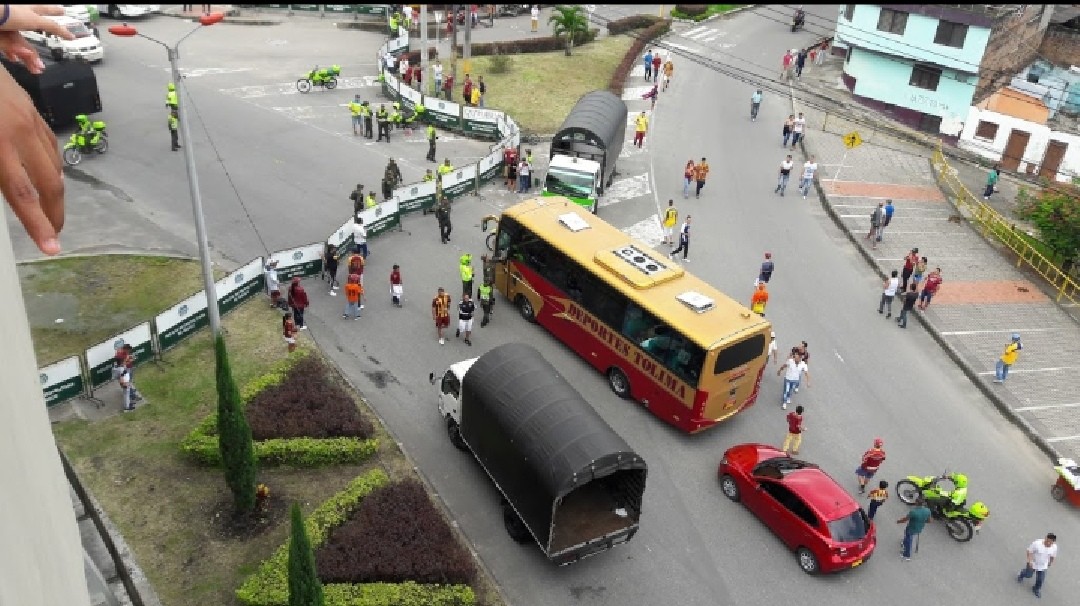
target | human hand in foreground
x=29, y=17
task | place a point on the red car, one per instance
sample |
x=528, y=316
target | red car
x=802, y=504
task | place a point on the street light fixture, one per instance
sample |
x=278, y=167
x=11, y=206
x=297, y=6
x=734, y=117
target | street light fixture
x=127, y=31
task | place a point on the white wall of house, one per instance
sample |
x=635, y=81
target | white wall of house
x=1041, y=135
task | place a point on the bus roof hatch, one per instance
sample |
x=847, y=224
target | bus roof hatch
x=573, y=222
x=636, y=267
x=696, y=301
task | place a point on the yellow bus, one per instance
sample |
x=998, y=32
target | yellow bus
x=661, y=336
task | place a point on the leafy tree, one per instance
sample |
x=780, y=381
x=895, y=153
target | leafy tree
x=304, y=586
x=569, y=23
x=234, y=434
x=1055, y=212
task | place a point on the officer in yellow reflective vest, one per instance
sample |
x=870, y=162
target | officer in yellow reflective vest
x=370, y=201
x=383, y=118
x=396, y=119
x=445, y=168
x=174, y=129
x=171, y=99
x=431, y=137
x=487, y=301
x=465, y=266
x=365, y=112
x=356, y=111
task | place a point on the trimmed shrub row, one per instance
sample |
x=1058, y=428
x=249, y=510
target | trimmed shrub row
x=635, y=53
x=310, y=403
x=627, y=24
x=269, y=585
x=396, y=535
x=529, y=45
x=201, y=445
x=689, y=11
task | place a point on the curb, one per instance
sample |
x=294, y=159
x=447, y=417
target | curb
x=231, y=16
x=118, y=252
x=716, y=16
x=1003, y=407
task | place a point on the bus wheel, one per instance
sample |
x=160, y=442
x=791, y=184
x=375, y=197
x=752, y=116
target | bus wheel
x=526, y=308
x=619, y=383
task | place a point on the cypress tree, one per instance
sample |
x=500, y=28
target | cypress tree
x=304, y=586
x=234, y=434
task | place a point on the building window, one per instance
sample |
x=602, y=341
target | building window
x=986, y=130
x=930, y=124
x=951, y=34
x=894, y=22
x=925, y=76
x=849, y=11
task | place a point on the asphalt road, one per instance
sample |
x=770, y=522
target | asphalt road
x=294, y=167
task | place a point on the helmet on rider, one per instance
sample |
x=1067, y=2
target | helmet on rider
x=959, y=480
x=979, y=510
x=172, y=86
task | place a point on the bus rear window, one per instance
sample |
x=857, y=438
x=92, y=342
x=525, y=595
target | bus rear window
x=736, y=355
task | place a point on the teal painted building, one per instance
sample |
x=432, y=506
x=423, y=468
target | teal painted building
x=927, y=64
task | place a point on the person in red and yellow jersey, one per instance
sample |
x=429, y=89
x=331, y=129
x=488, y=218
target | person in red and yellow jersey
x=440, y=313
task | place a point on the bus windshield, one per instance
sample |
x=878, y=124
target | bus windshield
x=569, y=183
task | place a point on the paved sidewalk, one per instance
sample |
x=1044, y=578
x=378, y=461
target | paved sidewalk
x=983, y=299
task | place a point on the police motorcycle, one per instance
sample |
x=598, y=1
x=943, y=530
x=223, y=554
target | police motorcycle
x=798, y=20
x=946, y=502
x=91, y=137
x=326, y=77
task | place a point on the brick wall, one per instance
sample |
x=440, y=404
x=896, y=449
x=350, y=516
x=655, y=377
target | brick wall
x=1013, y=45
x=1061, y=46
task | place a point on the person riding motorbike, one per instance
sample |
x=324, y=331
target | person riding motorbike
x=88, y=135
x=950, y=501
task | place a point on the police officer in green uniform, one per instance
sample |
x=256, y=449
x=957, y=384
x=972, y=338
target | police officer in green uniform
x=357, y=111
x=431, y=137
x=174, y=129
x=383, y=118
x=396, y=119
x=487, y=301
x=466, y=269
x=365, y=111
x=442, y=215
x=171, y=99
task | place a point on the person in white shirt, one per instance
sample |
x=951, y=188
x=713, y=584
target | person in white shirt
x=890, y=286
x=534, y=12
x=783, y=176
x=793, y=370
x=360, y=237
x=1040, y=556
x=388, y=61
x=772, y=349
x=403, y=67
x=797, y=130
x=436, y=70
x=809, y=169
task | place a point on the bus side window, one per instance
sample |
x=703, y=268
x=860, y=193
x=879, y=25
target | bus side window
x=602, y=301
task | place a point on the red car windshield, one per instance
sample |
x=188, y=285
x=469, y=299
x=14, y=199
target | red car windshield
x=850, y=528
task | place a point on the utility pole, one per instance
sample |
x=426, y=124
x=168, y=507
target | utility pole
x=424, y=46
x=452, y=20
x=467, y=50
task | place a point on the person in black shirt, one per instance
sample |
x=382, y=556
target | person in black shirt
x=466, y=309
x=766, y=269
x=909, y=299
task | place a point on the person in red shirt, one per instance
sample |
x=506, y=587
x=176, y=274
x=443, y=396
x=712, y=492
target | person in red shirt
x=794, y=431
x=656, y=61
x=397, y=289
x=448, y=86
x=466, y=89
x=930, y=288
x=298, y=301
x=353, y=291
x=871, y=461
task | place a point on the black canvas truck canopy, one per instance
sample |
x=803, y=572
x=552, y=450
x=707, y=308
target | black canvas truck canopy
x=594, y=128
x=541, y=441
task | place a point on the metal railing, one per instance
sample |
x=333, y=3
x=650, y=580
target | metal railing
x=992, y=223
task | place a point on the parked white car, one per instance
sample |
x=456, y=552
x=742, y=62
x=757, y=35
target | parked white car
x=79, y=12
x=85, y=45
x=127, y=11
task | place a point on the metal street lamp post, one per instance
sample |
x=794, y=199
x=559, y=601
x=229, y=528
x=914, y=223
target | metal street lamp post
x=125, y=30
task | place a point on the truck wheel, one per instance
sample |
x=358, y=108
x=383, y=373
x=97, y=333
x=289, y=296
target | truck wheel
x=454, y=431
x=514, y=526
x=619, y=383
x=526, y=308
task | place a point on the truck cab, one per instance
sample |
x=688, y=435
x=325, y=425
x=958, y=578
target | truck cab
x=450, y=400
x=85, y=46
x=576, y=178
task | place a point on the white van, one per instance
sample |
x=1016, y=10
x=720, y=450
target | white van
x=85, y=45
x=128, y=11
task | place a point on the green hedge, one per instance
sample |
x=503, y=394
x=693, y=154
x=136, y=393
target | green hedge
x=269, y=585
x=635, y=52
x=545, y=44
x=627, y=24
x=201, y=445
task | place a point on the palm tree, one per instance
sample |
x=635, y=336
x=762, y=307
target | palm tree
x=570, y=23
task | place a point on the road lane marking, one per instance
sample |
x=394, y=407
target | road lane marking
x=1046, y=407
x=951, y=333
x=838, y=356
x=647, y=230
x=1063, y=438
x=1027, y=370
x=626, y=189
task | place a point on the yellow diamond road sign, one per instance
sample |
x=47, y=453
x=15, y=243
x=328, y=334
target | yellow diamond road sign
x=852, y=140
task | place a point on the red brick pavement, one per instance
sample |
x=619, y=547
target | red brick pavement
x=1005, y=291
x=897, y=191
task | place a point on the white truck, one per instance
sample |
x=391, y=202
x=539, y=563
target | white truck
x=585, y=149
x=568, y=481
x=127, y=11
x=85, y=46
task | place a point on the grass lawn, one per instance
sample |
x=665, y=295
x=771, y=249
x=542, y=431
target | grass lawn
x=712, y=10
x=539, y=89
x=98, y=297
x=168, y=509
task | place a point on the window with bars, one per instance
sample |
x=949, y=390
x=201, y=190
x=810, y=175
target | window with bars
x=925, y=76
x=951, y=34
x=986, y=130
x=894, y=22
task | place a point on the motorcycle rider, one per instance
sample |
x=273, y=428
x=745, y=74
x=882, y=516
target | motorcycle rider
x=954, y=500
x=88, y=136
